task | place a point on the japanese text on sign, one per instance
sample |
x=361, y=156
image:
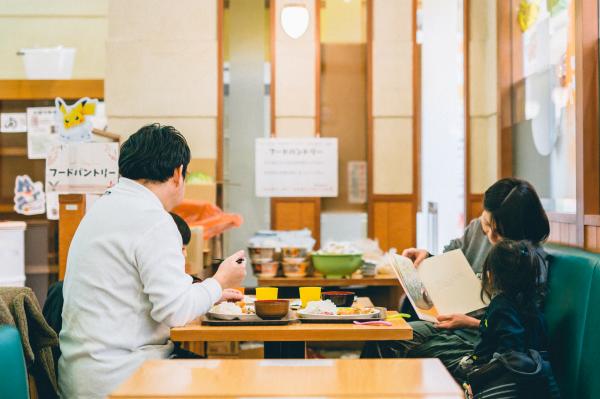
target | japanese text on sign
x=82, y=168
x=289, y=167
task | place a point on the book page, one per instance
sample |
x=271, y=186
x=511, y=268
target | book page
x=451, y=283
x=413, y=287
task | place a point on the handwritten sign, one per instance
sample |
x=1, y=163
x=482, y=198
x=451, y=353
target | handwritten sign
x=41, y=131
x=297, y=167
x=81, y=168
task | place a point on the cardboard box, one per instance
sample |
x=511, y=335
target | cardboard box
x=204, y=191
x=204, y=165
x=195, y=252
x=201, y=192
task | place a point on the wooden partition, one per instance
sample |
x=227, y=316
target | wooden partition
x=481, y=110
x=72, y=210
x=393, y=122
x=295, y=108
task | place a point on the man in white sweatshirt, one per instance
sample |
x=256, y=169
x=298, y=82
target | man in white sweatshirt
x=125, y=283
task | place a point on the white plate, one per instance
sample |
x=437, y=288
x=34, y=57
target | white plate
x=223, y=316
x=303, y=315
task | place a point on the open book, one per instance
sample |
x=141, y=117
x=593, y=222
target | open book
x=442, y=284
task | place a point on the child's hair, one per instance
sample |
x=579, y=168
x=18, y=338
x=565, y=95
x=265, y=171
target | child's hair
x=513, y=268
x=182, y=226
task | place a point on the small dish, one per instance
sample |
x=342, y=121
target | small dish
x=343, y=299
x=273, y=309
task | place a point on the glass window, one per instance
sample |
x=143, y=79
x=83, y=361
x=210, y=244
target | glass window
x=544, y=98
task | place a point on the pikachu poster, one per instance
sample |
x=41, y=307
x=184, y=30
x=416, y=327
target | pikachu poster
x=75, y=122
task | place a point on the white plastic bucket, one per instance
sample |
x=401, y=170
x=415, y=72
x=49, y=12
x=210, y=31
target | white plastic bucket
x=48, y=63
x=12, y=254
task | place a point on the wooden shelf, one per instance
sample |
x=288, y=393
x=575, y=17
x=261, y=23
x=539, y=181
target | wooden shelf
x=13, y=151
x=41, y=269
x=7, y=207
x=50, y=89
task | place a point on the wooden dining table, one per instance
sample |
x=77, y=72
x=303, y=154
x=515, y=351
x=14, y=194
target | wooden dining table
x=289, y=341
x=322, y=378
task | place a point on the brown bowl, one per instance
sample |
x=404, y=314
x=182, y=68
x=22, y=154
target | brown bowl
x=262, y=255
x=273, y=309
x=266, y=269
x=294, y=252
x=295, y=269
x=343, y=299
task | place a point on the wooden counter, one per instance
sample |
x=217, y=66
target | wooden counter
x=382, y=378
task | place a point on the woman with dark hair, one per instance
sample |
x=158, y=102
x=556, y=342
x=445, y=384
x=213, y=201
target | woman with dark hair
x=512, y=210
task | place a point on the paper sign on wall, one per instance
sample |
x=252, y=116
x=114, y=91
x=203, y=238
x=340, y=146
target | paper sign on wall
x=81, y=168
x=357, y=182
x=287, y=167
x=41, y=131
x=13, y=122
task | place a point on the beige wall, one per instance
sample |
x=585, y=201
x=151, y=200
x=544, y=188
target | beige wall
x=40, y=23
x=295, y=80
x=392, y=97
x=162, y=67
x=483, y=95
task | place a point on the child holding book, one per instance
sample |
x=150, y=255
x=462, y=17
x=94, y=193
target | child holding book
x=512, y=354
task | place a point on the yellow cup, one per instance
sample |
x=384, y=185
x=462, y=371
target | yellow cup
x=309, y=294
x=266, y=293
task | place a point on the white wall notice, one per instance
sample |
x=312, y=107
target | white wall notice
x=288, y=167
x=81, y=168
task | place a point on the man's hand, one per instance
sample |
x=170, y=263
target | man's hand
x=456, y=321
x=231, y=273
x=416, y=255
x=231, y=295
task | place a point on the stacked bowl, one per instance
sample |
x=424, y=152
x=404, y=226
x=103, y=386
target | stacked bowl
x=295, y=261
x=264, y=261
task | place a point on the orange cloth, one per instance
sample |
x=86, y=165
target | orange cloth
x=209, y=216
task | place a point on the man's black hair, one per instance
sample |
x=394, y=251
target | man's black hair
x=182, y=226
x=516, y=211
x=153, y=153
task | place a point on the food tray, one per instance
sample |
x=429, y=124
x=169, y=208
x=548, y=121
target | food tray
x=248, y=321
x=344, y=320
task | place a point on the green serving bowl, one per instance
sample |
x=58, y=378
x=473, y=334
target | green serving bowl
x=336, y=266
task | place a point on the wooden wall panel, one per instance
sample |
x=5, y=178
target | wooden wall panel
x=563, y=233
x=393, y=103
x=592, y=233
x=394, y=224
x=296, y=214
x=295, y=106
x=475, y=206
x=72, y=210
x=592, y=238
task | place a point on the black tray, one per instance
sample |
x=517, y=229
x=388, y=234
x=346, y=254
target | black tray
x=382, y=316
x=209, y=321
